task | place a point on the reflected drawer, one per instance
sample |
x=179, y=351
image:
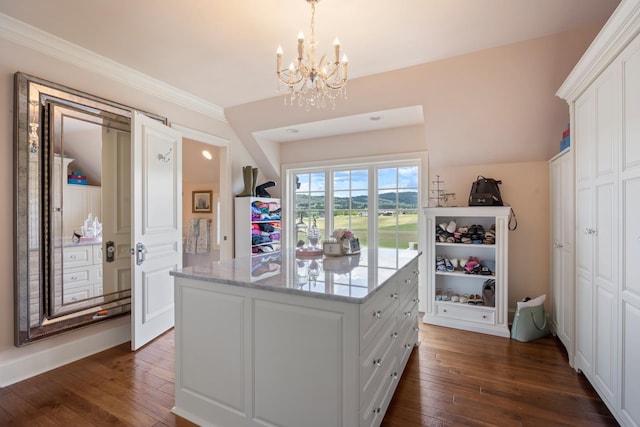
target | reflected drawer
x=76, y=256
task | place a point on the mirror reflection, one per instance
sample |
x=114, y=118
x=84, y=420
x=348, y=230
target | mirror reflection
x=72, y=209
x=86, y=230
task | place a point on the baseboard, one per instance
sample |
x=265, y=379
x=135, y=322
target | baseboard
x=63, y=349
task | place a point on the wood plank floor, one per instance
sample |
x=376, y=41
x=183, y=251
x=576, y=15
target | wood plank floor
x=455, y=378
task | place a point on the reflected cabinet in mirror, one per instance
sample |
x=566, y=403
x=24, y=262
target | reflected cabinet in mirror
x=72, y=209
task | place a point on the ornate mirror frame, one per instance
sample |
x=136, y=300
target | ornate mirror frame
x=34, y=249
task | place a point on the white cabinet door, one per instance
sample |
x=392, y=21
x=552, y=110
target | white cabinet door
x=157, y=226
x=584, y=131
x=630, y=238
x=605, y=229
x=562, y=272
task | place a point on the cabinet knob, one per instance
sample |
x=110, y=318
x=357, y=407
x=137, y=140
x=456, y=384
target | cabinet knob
x=72, y=257
x=394, y=375
x=416, y=272
x=416, y=329
x=377, y=411
x=444, y=311
x=416, y=300
x=394, y=295
x=377, y=314
x=408, y=346
x=407, y=314
x=73, y=278
x=484, y=316
x=377, y=362
x=394, y=335
x=407, y=281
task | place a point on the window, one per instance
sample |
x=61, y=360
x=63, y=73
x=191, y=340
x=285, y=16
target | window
x=378, y=202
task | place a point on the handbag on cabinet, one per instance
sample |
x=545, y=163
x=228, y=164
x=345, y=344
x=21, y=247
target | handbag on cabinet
x=530, y=321
x=485, y=192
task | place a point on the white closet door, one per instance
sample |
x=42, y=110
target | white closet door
x=605, y=228
x=157, y=226
x=630, y=235
x=584, y=131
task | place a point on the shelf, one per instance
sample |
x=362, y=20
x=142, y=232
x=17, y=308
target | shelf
x=274, y=242
x=466, y=245
x=461, y=274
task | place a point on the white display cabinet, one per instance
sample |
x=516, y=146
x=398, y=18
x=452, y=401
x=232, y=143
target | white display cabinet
x=465, y=312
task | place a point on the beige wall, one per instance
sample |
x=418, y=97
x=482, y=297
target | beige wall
x=525, y=186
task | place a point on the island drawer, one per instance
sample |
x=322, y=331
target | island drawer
x=376, y=312
x=375, y=359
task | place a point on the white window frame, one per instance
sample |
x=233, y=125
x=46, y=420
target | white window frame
x=289, y=171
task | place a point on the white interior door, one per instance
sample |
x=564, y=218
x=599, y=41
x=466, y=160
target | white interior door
x=157, y=222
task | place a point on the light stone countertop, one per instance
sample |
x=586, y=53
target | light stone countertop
x=351, y=278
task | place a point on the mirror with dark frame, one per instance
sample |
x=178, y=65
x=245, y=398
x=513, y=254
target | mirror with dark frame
x=72, y=211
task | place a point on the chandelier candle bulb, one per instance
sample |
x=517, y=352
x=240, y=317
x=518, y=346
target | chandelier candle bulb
x=300, y=45
x=278, y=59
x=336, y=49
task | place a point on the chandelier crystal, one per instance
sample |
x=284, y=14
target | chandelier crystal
x=312, y=84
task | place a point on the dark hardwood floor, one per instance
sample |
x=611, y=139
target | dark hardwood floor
x=455, y=378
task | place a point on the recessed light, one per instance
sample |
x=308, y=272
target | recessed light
x=206, y=154
x=375, y=118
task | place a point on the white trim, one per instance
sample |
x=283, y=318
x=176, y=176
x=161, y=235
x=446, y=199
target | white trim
x=616, y=34
x=21, y=368
x=226, y=198
x=33, y=38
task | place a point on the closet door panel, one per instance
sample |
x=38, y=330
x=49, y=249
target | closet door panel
x=631, y=88
x=585, y=133
x=607, y=104
x=606, y=348
x=630, y=399
x=631, y=272
x=606, y=236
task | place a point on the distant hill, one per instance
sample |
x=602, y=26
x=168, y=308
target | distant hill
x=386, y=201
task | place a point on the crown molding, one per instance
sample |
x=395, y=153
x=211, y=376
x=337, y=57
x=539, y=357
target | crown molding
x=621, y=28
x=33, y=38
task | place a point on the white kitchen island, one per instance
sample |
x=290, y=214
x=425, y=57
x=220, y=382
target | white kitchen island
x=294, y=342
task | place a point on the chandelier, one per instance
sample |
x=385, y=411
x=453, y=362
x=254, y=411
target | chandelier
x=312, y=84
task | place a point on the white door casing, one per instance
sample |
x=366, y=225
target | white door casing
x=157, y=222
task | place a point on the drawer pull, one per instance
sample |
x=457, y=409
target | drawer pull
x=377, y=362
x=377, y=314
x=394, y=375
x=73, y=278
x=444, y=311
x=408, y=346
x=394, y=295
x=72, y=257
x=484, y=316
x=74, y=299
x=394, y=335
x=416, y=329
x=416, y=272
x=407, y=314
x=416, y=300
x=407, y=281
x=377, y=411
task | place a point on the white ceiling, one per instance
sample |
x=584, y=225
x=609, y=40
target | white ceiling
x=224, y=50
